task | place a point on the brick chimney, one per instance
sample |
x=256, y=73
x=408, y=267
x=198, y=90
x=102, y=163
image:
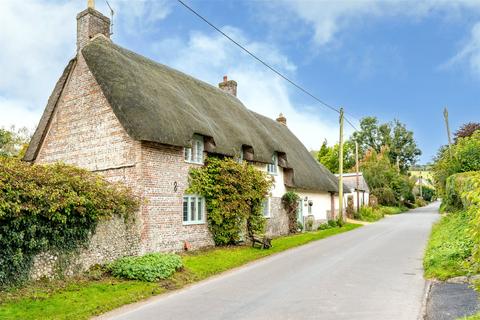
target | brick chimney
x=229, y=86
x=90, y=22
x=281, y=119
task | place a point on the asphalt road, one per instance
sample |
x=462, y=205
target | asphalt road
x=374, y=272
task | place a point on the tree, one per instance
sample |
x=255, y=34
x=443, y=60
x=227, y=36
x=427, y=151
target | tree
x=385, y=182
x=328, y=156
x=464, y=156
x=394, y=135
x=13, y=143
x=466, y=130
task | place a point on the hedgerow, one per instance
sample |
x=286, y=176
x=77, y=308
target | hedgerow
x=51, y=208
x=150, y=267
x=234, y=193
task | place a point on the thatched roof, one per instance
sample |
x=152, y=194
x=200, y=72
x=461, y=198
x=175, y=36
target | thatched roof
x=156, y=103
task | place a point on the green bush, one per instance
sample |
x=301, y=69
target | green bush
x=429, y=194
x=333, y=223
x=419, y=202
x=385, y=196
x=150, y=267
x=51, y=207
x=323, y=226
x=392, y=210
x=234, y=193
x=369, y=214
x=450, y=247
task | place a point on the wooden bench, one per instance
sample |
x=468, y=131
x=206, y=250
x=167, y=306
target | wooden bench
x=264, y=241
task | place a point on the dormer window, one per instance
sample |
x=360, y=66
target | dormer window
x=195, y=153
x=272, y=168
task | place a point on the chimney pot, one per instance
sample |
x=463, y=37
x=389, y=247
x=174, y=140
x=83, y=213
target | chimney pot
x=281, y=119
x=228, y=86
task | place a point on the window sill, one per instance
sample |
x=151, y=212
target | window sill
x=192, y=162
x=191, y=223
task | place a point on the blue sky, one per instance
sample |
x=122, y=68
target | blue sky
x=390, y=59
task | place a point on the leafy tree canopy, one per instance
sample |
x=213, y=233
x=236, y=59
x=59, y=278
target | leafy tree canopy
x=394, y=135
x=466, y=130
x=14, y=142
x=328, y=156
x=462, y=157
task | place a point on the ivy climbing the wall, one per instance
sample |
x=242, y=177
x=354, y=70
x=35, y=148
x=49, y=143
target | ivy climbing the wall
x=290, y=204
x=234, y=193
x=51, y=208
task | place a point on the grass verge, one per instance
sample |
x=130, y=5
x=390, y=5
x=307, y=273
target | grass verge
x=83, y=298
x=449, y=248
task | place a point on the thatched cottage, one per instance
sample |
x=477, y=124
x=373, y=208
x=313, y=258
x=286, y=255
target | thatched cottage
x=134, y=120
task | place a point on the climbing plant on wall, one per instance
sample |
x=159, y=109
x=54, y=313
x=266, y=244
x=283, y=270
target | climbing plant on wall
x=290, y=203
x=50, y=208
x=234, y=193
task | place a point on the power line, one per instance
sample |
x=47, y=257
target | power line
x=265, y=64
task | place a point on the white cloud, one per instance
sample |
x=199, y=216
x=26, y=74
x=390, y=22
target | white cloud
x=209, y=57
x=470, y=52
x=329, y=18
x=38, y=38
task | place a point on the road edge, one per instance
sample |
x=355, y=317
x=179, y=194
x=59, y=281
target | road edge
x=426, y=295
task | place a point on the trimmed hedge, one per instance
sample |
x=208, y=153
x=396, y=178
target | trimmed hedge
x=150, y=267
x=51, y=208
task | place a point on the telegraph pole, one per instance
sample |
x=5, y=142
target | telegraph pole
x=340, y=169
x=445, y=115
x=358, y=176
x=421, y=187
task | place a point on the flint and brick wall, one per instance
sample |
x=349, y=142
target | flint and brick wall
x=163, y=168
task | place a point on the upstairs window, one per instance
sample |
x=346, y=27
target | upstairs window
x=193, y=209
x=195, y=153
x=272, y=168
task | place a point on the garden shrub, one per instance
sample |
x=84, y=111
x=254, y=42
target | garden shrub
x=51, y=208
x=234, y=193
x=150, y=267
x=333, y=223
x=392, y=210
x=385, y=196
x=290, y=204
x=370, y=214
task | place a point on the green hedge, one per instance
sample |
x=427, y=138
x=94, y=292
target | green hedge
x=150, y=267
x=462, y=192
x=50, y=207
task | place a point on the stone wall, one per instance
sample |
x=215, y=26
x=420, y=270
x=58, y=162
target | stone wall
x=112, y=239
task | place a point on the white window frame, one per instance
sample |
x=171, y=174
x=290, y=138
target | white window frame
x=194, y=154
x=272, y=168
x=198, y=209
x=267, y=202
